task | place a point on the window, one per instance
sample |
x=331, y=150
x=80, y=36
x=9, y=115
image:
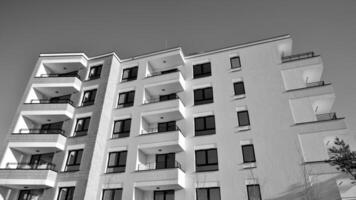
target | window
x=129, y=74
x=126, y=99
x=206, y=160
x=117, y=162
x=239, y=88
x=112, y=194
x=212, y=193
x=164, y=195
x=82, y=126
x=122, y=128
x=165, y=161
x=203, y=96
x=74, y=159
x=89, y=97
x=168, y=97
x=254, y=192
x=166, y=126
x=248, y=153
x=202, y=70
x=243, y=118
x=95, y=72
x=235, y=62
x=204, y=125
x=66, y=193
x=30, y=194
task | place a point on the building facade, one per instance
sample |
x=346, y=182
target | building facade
x=247, y=122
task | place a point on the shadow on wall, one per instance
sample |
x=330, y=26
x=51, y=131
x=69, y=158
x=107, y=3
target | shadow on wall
x=324, y=190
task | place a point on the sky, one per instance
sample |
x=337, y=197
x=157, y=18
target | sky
x=129, y=28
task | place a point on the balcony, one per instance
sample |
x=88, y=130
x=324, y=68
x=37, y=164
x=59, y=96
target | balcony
x=157, y=110
x=71, y=82
x=42, y=110
x=34, y=141
x=164, y=82
x=154, y=141
x=312, y=89
x=296, y=57
x=27, y=175
x=149, y=178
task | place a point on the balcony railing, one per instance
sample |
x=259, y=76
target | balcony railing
x=50, y=101
x=326, y=116
x=156, y=100
x=39, y=131
x=162, y=73
x=311, y=85
x=31, y=166
x=298, y=57
x=156, y=130
x=158, y=166
x=57, y=75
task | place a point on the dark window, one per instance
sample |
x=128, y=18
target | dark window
x=95, y=72
x=89, y=97
x=61, y=99
x=82, y=126
x=166, y=126
x=239, y=88
x=39, y=160
x=164, y=195
x=126, y=99
x=243, y=118
x=165, y=161
x=204, y=125
x=52, y=128
x=206, y=160
x=112, y=194
x=122, y=128
x=73, y=160
x=254, y=192
x=117, y=161
x=129, y=74
x=66, y=193
x=167, y=97
x=203, y=96
x=248, y=153
x=235, y=62
x=212, y=193
x=202, y=70
x=30, y=194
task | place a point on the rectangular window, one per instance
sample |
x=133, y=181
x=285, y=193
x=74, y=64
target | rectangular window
x=73, y=160
x=89, y=97
x=202, y=70
x=126, y=99
x=165, y=161
x=239, y=88
x=163, y=195
x=168, y=97
x=52, y=128
x=203, y=96
x=66, y=193
x=166, y=126
x=112, y=194
x=117, y=162
x=204, y=125
x=82, y=126
x=30, y=194
x=248, y=153
x=206, y=160
x=95, y=72
x=212, y=193
x=235, y=62
x=243, y=118
x=254, y=192
x=129, y=74
x=122, y=128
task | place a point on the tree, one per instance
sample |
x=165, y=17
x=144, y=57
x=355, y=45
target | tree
x=343, y=158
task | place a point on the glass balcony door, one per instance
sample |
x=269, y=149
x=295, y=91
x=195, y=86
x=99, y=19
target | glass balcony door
x=165, y=161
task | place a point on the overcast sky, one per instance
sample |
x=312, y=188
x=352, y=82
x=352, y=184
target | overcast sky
x=28, y=28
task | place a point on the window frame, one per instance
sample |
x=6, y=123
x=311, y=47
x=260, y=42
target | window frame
x=239, y=118
x=259, y=191
x=200, y=67
x=209, y=131
x=77, y=161
x=165, y=192
x=131, y=76
x=166, y=126
x=70, y=188
x=244, y=153
x=208, y=192
x=126, y=104
x=83, y=131
x=91, y=98
x=117, y=164
x=204, y=100
x=206, y=160
x=231, y=62
x=97, y=73
x=243, y=88
x=122, y=131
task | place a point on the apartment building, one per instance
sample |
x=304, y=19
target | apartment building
x=248, y=122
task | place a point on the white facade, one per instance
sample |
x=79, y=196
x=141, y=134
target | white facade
x=291, y=125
